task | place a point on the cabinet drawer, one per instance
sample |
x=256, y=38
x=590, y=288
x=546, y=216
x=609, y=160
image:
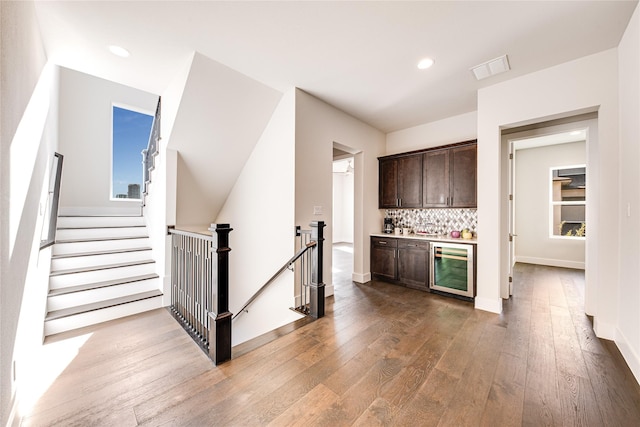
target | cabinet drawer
x=384, y=242
x=412, y=244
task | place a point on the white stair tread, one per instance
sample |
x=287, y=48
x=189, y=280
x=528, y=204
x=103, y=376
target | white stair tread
x=65, y=234
x=98, y=221
x=57, y=314
x=77, y=279
x=97, y=239
x=104, y=284
x=104, y=252
x=101, y=267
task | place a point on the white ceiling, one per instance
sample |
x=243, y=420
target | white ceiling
x=358, y=56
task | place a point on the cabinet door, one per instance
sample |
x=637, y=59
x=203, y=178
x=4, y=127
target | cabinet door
x=383, y=258
x=388, y=184
x=436, y=179
x=410, y=181
x=413, y=265
x=464, y=166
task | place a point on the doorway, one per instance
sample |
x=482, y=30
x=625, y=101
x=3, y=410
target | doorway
x=343, y=217
x=537, y=160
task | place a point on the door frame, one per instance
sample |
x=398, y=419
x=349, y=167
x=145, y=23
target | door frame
x=508, y=137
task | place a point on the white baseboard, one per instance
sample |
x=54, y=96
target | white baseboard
x=488, y=304
x=630, y=356
x=607, y=331
x=551, y=262
x=361, y=278
x=328, y=290
x=14, y=418
x=130, y=208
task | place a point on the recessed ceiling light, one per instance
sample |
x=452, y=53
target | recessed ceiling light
x=425, y=63
x=119, y=51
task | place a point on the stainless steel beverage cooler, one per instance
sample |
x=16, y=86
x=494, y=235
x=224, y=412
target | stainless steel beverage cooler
x=452, y=268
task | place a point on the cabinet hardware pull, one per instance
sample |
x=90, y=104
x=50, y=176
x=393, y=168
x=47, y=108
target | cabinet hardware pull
x=382, y=243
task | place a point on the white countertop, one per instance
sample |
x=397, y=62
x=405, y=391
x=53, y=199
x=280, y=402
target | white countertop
x=438, y=238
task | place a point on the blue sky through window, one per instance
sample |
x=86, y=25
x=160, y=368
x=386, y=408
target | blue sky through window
x=130, y=136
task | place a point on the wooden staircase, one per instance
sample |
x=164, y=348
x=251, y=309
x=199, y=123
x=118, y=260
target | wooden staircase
x=101, y=269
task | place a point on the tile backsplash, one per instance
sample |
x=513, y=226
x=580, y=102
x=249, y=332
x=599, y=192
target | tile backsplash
x=434, y=220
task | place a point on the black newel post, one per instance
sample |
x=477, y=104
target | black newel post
x=316, y=288
x=220, y=318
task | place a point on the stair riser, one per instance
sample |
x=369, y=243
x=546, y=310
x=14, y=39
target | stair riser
x=59, y=302
x=59, y=264
x=105, y=245
x=98, y=316
x=75, y=279
x=97, y=221
x=103, y=233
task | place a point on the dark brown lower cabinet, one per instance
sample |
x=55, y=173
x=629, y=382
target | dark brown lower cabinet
x=403, y=261
x=383, y=257
x=413, y=263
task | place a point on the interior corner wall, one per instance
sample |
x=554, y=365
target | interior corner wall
x=23, y=73
x=463, y=127
x=628, y=325
x=586, y=84
x=221, y=116
x=531, y=194
x=318, y=126
x=260, y=210
x=85, y=128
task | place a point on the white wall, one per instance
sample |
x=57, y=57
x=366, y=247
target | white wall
x=532, y=188
x=628, y=325
x=586, y=84
x=86, y=104
x=342, y=204
x=260, y=209
x=27, y=141
x=221, y=115
x=160, y=203
x=318, y=126
x=442, y=132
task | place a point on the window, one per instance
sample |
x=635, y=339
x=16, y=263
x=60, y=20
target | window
x=131, y=131
x=568, y=201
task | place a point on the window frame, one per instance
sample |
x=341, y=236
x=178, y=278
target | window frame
x=553, y=203
x=135, y=109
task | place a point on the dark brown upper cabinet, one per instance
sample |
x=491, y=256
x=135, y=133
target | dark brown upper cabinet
x=400, y=182
x=442, y=177
x=464, y=169
x=436, y=179
x=449, y=177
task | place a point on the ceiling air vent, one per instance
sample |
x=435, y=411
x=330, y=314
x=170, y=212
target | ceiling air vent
x=491, y=68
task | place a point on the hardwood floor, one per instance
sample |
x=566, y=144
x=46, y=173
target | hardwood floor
x=383, y=355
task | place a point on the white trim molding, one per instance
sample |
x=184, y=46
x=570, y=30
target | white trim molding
x=629, y=355
x=488, y=304
x=361, y=278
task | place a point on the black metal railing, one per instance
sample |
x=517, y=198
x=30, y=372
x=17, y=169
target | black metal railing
x=200, y=288
x=50, y=223
x=149, y=153
x=307, y=261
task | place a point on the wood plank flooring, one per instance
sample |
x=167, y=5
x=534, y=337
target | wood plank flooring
x=383, y=355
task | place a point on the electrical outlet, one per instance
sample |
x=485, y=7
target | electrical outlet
x=317, y=210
